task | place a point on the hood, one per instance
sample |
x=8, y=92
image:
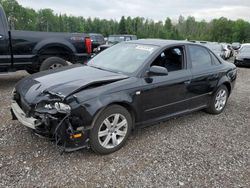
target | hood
x=64, y=82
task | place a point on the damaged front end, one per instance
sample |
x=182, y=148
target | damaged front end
x=52, y=117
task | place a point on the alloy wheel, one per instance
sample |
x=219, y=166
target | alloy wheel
x=221, y=99
x=112, y=131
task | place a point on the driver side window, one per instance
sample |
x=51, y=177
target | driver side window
x=172, y=59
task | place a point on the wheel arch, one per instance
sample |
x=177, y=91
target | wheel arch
x=225, y=81
x=54, y=43
x=128, y=107
x=228, y=85
x=50, y=47
x=123, y=104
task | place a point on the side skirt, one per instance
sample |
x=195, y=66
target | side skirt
x=168, y=116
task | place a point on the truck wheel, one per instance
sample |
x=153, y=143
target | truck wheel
x=52, y=63
x=30, y=71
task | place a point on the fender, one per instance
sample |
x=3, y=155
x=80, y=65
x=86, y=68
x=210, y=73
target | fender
x=224, y=80
x=54, y=43
x=97, y=105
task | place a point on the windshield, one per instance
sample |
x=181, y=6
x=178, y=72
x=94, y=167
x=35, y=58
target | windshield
x=116, y=39
x=124, y=57
x=245, y=49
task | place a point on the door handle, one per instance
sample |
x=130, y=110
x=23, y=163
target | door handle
x=187, y=82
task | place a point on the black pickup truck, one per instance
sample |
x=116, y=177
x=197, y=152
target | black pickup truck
x=38, y=51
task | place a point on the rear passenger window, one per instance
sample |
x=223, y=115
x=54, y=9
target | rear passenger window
x=200, y=57
x=215, y=59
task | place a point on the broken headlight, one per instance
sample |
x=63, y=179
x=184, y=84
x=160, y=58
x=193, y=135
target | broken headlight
x=60, y=107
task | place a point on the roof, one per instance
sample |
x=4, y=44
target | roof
x=121, y=35
x=159, y=42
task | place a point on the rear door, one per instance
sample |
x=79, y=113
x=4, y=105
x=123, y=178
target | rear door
x=205, y=75
x=4, y=41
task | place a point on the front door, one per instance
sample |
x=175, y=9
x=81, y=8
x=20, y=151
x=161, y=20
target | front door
x=167, y=95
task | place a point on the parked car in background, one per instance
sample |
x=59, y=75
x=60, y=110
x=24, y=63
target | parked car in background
x=38, y=51
x=114, y=39
x=243, y=56
x=216, y=48
x=228, y=50
x=97, y=40
x=130, y=84
x=236, y=45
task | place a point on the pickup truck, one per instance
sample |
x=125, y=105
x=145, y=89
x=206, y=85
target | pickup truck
x=38, y=51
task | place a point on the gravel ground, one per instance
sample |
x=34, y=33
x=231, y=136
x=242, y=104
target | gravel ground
x=196, y=150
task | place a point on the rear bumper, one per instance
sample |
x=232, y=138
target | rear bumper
x=20, y=115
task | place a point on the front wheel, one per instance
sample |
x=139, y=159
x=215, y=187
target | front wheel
x=218, y=101
x=111, y=130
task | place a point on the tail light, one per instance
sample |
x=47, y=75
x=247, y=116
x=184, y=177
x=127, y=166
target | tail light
x=88, y=45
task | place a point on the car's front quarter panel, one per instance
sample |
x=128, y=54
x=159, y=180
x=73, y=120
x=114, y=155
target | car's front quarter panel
x=87, y=103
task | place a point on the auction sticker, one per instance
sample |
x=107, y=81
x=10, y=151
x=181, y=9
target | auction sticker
x=145, y=48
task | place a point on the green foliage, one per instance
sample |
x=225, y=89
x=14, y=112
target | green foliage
x=221, y=30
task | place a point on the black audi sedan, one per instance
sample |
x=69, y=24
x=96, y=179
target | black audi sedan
x=130, y=84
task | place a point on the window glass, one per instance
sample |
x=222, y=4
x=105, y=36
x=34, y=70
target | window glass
x=134, y=38
x=215, y=59
x=127, y=38
x=171, y=58
x=123, y=57
x=200, y=57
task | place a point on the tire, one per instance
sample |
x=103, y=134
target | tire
x=104, y=140
x=52, y=63
x=218, y=101
x=30, y=71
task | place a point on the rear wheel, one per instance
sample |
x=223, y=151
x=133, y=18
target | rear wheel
x=53, y=63
x=218, y=101
x=111, y=130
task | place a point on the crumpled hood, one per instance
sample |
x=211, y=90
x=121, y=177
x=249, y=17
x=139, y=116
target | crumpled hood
x=64, y=81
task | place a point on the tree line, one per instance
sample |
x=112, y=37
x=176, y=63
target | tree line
x=220, y=30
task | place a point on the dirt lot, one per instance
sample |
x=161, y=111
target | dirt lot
x=197, y=150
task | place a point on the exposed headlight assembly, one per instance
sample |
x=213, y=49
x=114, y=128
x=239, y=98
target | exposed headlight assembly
x=60, y=107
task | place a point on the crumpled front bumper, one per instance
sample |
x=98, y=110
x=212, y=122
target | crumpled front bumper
x=69, y=142
x=20, y=115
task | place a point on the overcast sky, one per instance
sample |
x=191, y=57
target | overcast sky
x=154, y=9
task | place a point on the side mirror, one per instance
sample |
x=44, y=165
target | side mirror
x=157, y=71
